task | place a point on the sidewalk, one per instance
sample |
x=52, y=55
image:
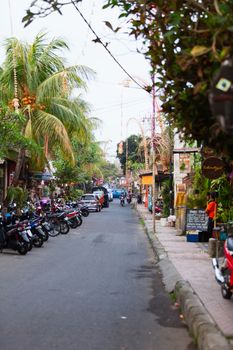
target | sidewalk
x=187, y=270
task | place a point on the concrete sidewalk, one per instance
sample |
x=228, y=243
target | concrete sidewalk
x=187, y=270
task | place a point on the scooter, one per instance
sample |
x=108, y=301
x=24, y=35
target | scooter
x=224, y=273
x=122, y=201
x=14, y=237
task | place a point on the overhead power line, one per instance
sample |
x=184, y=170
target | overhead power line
x=98, y=40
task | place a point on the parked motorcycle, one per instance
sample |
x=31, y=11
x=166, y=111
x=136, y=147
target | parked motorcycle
x=224, y=272
x=73, y=216
x=58, y=223
x=13, y=237
x=83, y=208
x=38, y=235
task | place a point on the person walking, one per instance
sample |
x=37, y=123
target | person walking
x=211, y=210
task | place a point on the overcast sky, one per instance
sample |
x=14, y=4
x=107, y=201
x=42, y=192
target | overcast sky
x=117, y=106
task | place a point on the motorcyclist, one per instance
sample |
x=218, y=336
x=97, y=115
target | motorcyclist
x=122, y=198
x=129, y=197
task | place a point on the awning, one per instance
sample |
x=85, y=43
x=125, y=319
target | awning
x=46, y=176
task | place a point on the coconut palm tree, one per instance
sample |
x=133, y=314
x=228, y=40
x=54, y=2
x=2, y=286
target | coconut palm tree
x=37, y=75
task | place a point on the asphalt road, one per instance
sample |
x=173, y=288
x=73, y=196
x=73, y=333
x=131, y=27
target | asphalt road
x=97, y=288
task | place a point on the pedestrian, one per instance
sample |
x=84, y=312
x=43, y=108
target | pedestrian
x=139, y=198
x=211, y=210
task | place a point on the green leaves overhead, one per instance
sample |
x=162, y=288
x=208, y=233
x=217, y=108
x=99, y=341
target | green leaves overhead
x=44, y=88
x=185, y=41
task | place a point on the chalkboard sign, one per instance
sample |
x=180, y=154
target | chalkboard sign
x=196, y=219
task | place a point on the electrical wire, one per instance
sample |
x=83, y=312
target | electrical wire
x=98, y=39
x=116, y=107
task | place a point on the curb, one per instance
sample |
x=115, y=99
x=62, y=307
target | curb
x=199, y=322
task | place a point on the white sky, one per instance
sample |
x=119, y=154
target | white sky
x=111, y=102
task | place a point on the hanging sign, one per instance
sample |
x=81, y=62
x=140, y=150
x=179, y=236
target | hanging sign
x=213, y=167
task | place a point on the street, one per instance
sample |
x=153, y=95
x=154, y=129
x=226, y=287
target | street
x=97, y=288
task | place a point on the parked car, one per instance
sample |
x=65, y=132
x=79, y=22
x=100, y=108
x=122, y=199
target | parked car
x=91, y=200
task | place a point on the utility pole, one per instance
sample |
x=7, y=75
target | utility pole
x=154, y=170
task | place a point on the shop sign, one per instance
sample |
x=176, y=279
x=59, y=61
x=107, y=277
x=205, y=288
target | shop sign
x=213, y=167
x=147, y=180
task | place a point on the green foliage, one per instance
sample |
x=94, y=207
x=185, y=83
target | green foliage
x=109, y=170
x=75, y=193
x=201, y=185
x=11, y=132
x=222, y=186
x=224, y=189
x=89, y=162
x=165, y=193
x=16, y=195
x=48, y=117
x=135, y=153
x=197, y=200
x=185, y=41
x=65, y=172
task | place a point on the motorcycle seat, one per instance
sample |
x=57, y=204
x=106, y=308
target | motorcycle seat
x=11, y=227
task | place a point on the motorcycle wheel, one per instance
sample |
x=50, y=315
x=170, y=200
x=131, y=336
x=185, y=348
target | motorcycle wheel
x=30, y=245
x=85, y=212
x=39, y=242
x=55, y=228
x=22, y=249
x=226, y=293
x=64, y=227
x=46, y=237
x=74, y=223
x=80, y=221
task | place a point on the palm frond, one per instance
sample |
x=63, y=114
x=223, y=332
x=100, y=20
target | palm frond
x=54, y=84
x=48, y=124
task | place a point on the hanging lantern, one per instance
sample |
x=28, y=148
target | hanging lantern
x=221, y=96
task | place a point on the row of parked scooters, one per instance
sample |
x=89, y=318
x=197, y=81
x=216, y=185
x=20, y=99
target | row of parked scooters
x=21, y=230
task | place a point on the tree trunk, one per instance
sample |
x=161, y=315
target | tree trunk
x=19, y=164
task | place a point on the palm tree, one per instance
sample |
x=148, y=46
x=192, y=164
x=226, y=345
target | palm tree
x=44, y=87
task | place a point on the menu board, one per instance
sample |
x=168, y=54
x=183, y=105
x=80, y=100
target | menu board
x=196, y=219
